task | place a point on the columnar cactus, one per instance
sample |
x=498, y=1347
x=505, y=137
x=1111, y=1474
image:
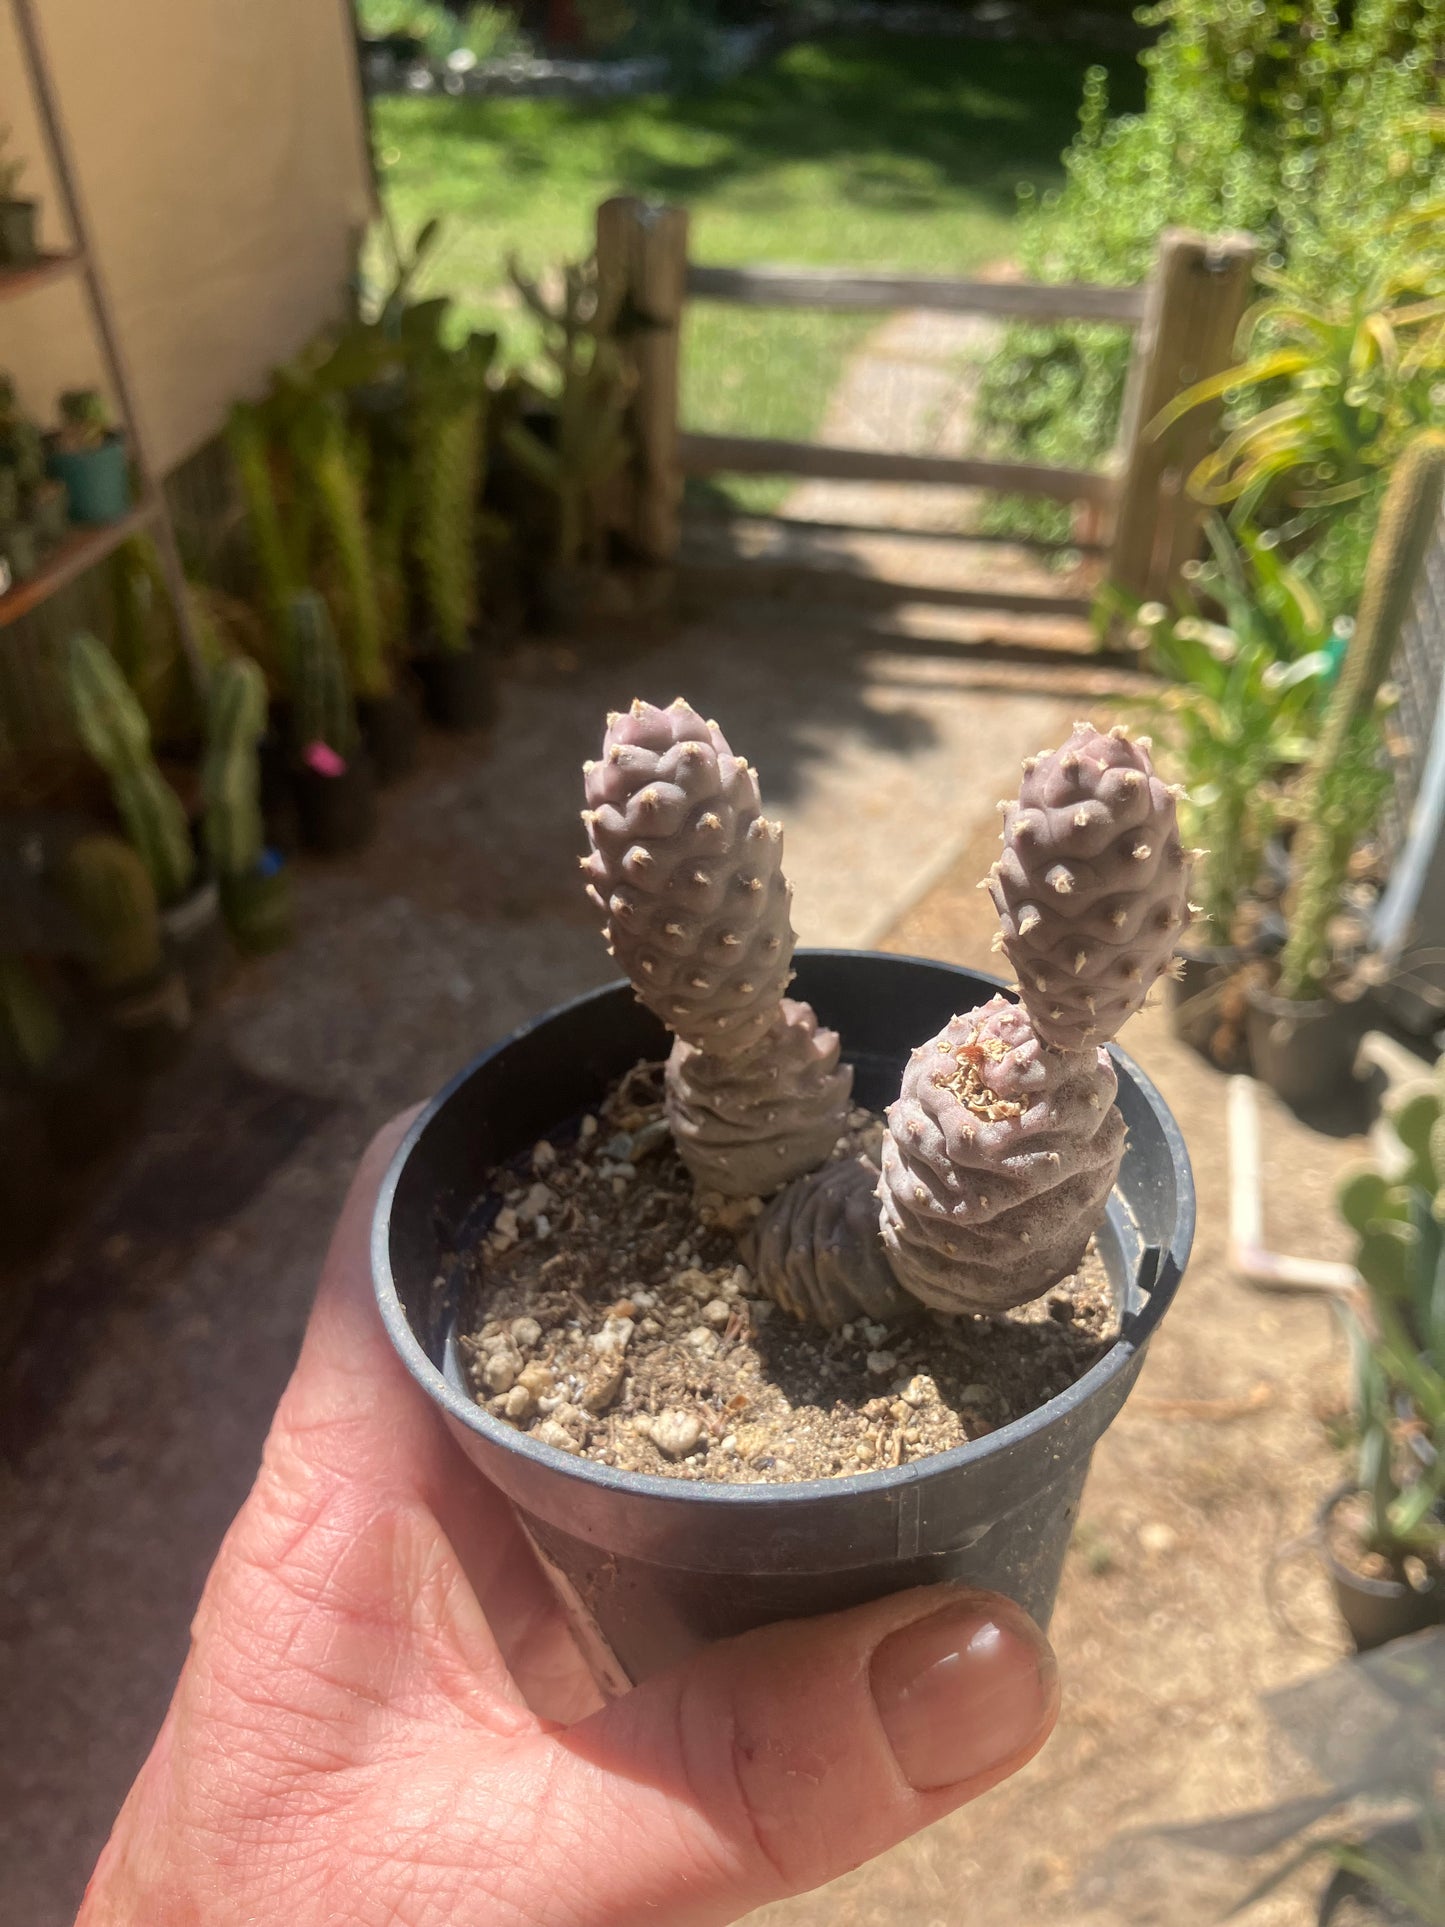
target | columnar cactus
x=114, y=729
x=332, y=461
x=230, y=775
x=688, y=873
x=1005, y=1141
x=448, y=456
x=108, y=887
x=322, y=706
x=1409, y=519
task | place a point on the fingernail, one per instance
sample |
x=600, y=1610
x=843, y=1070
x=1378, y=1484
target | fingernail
x=964, y=1691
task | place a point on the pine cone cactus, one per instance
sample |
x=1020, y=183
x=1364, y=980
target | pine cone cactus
x=1000, y=1154
x=749, y=1123
x=1090, y=888
x=1005, y=1142
x=688, y=872
x=818, y=1247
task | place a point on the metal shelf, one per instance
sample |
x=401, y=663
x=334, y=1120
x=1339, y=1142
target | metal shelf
x=39, y=273
x=76, y=554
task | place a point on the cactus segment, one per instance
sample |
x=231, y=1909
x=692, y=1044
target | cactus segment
x=114, y=729
x=1091, y=887
x=747, y=1124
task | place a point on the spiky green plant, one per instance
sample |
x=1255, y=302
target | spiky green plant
x=249, y=439
x=113, y=727
x=110, y=891
x=595, y=384
x=30, y=1017
x=230, y=775
x=323, y=710
x=1397, y=1333
x=331, y=461
x=448, y=448
x=1344, y=785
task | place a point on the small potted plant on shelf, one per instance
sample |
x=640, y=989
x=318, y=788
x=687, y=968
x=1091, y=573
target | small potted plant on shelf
x=1303, y=1022
x=807, y=1314
x=335, y=790
x=87, y=453
x=1384, y=1536
x=114, y=729
x=254, y=882
x=19, y=217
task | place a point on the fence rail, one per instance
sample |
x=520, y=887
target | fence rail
x=831, y=288
x=1185, y=318
x=701, y=454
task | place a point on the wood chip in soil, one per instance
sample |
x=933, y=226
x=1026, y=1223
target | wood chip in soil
x=608, y=1312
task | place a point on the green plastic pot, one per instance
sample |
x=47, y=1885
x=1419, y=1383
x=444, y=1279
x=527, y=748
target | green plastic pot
x=97, y=480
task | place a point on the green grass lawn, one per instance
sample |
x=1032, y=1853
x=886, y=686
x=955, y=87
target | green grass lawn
x=873, y=151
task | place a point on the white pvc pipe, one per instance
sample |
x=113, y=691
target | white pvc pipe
x=1270, y=1270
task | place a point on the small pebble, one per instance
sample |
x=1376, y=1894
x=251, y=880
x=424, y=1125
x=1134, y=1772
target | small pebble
x=881, y=1363
x=551, y=1433
x=542, y=1227
x=701, y=1339
x=918, y=1389
x=501, y=1370
x=696, y=1282
x=543, y=1156
x=716, y=1312
x=644, y=1300
x=537, y=1377
x=1155, y=1536
x=526, y=1334
x=613, y=1336
x=730, y=1443
x=519, y=1403
x=675, y=1434
x=540, y=1198
x=587, y=1128
x=605, y=1383
x=619, y=1146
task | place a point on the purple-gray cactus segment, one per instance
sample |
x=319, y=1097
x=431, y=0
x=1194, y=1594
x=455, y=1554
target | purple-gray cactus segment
x=688, y=872
x=1091, y=886
x=817, y=1250
x=747, y=1124
x=999, y=1158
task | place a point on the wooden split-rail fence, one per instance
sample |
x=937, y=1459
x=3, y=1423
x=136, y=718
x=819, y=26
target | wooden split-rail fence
x=1135, y=510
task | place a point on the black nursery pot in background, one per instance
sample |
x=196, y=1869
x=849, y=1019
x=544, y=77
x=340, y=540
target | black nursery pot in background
x=336, y=811
x=459, y=687
x=1304, y=1051
x=1375, y=1611
x=651, y=1568
x=391, y=730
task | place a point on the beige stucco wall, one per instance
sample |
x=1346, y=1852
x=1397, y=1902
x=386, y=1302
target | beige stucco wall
x=221, y=161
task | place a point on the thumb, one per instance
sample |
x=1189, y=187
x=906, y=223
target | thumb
x=777, y=1761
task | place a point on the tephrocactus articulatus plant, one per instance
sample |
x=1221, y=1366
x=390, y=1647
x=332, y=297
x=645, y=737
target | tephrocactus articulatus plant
x=688, y=872
x=1005, y=1141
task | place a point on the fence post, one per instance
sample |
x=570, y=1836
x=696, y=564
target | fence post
x=1197, y=297
x=642, y=256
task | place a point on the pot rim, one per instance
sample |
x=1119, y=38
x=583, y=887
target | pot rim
x=1373, y=1588
x=801, y=1492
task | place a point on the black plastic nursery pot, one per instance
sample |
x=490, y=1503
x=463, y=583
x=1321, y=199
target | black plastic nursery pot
x=336, y=812
x=87, y=1097
x=651, y=1568
x=1197, y=996
x=1303, y=1049
x=459, y=687
x=1375, y=1611
x=194, y=935
x=151, y=1020
x=391, y=730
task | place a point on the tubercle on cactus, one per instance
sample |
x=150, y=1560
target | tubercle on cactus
x=1005, y=1141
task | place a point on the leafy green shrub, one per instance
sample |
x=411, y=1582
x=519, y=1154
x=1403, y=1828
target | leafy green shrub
x=1274, y=116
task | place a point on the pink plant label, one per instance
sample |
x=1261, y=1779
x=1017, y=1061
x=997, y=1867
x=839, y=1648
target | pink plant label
x=322, y=758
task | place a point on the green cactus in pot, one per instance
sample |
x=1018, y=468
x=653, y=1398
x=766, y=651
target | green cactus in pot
x=114, y=729
x=110, y=891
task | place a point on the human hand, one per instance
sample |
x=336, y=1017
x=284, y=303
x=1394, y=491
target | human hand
x=383, y=1720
